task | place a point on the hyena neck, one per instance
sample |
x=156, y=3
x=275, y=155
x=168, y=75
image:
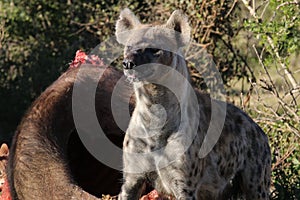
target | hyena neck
x=157, y=108
x=155, y=101
x=179, y=63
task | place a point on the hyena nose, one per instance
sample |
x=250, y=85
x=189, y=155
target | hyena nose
x=127, y=64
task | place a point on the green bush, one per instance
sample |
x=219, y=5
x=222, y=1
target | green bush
x=275, y=26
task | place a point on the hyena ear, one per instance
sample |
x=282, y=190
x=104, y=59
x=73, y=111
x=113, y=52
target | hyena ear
x=126, y=22
x=178, y=21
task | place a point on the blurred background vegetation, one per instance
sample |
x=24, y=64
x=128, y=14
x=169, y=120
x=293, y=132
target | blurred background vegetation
x=255, y=45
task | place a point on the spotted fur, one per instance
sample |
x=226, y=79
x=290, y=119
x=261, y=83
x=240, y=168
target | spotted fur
x=238, y=163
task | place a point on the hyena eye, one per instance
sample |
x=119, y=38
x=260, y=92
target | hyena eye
x=139, y=51
x=154, y=51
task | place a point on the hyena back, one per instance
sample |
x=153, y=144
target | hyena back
x=160, y=125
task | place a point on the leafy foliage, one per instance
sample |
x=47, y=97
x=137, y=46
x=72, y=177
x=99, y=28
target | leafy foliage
x=275, y=26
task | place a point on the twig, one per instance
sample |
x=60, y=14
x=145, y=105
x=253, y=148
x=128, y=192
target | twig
x=231, y=9
x=284, y=157
x=2, y=33
x=265, y=69
x=282, y=64
x=251, y=10
x=264, y=10
x=269, y=39
x=295, y=2
x=273, y=87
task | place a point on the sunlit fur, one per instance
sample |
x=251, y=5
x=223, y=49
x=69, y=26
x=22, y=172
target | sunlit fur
x=239, y=163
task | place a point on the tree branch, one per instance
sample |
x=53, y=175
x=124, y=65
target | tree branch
x=271, y=42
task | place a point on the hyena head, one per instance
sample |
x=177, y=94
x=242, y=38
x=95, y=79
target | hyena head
x=149, y=47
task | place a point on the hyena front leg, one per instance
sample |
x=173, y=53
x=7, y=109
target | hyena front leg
x=132, y=187
x=176, y=183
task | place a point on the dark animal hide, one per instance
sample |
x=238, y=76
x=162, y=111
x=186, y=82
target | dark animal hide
x=47, y=159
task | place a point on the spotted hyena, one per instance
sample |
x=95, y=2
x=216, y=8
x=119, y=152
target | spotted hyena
x=164, y=142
